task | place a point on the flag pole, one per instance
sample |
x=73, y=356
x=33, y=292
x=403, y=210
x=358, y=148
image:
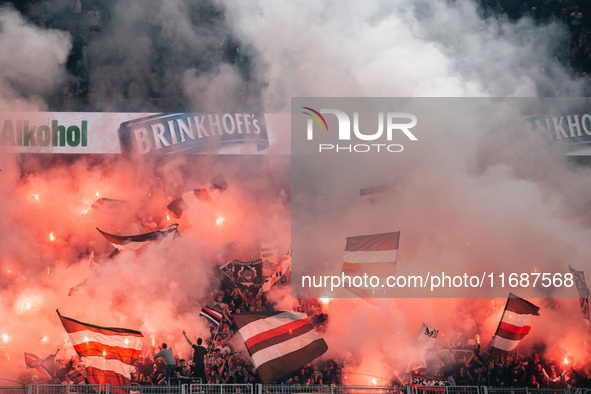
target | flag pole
x=499, y=326
x=217, y=329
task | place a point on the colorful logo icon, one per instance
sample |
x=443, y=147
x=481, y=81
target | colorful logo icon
x=316, y=117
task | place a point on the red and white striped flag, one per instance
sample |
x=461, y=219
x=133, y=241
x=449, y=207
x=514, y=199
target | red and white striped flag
x=108, y=353
x=515, y=323
x=279, y=342
x=372, y=254
x=137, y=243
x=186, y=200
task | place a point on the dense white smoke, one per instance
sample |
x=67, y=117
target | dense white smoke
x=32, y=61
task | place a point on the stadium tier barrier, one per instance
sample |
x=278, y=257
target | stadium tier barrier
x=276, y=389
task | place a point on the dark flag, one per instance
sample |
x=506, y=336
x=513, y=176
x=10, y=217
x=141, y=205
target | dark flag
x=279, y=342
x=515, y=323
x=579, y=278
x=374, y=191
x=137, y=243
x=244, y=273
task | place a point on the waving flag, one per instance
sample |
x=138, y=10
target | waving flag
x=371, y=254
x=279, y=342
x=244, y=273
x=515, y=323
x=425, y=341
x=374, y=255
x=137, y=243
x=579, y=278
x=109, y=205
x=45, y=367
x=374, y=191
x=212, y=315
x=186, y=200
x=280, y=270
x=427, y=337
x=84, y=285
x=108, y=353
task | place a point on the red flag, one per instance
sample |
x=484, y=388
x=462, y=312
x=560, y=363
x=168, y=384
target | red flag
x=279, y=342
x=45, y=367
x=515, y=323
x=108, y=353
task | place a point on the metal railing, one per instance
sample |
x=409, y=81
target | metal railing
x=148, y=389
x=370, y=390
x=527, y=390
x=277, y=389
x=221, y=389
x=446, y=389
x=67, y=389
x=16, y=390
x=292, y=389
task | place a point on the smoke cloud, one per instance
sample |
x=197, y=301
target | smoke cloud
x=462, y=198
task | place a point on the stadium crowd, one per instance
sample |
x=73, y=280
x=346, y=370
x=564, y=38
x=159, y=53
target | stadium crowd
x=463, y=365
